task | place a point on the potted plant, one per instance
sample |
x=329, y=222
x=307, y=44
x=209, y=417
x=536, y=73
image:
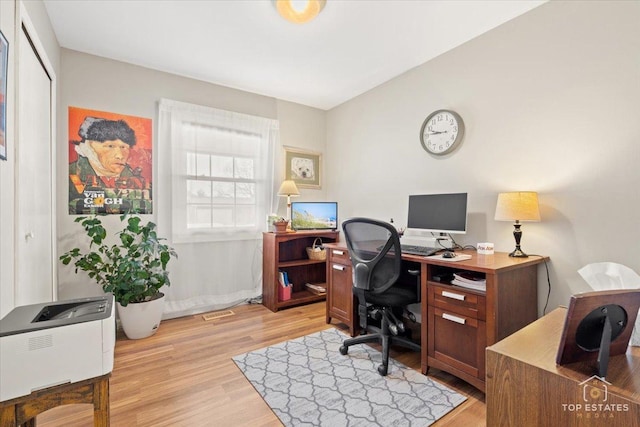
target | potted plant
x=133, y=270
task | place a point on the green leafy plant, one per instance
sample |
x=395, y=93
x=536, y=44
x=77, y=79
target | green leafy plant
x=134, y=269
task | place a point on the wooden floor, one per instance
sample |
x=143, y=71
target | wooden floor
x=184, y=375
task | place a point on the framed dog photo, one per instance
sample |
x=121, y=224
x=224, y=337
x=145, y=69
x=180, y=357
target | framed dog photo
x=303, y=167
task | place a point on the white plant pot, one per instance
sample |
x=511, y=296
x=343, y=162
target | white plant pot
x=142, y=319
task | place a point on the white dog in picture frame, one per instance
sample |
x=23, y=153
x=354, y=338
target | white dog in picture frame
x=302, y=168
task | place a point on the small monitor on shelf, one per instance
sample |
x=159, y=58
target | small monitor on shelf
x=314, y=215
x=438, y=213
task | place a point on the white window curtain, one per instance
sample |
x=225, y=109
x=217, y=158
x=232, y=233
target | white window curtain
x=216, y=189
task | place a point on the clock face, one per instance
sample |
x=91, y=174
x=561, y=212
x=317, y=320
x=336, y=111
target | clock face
x=441, y=132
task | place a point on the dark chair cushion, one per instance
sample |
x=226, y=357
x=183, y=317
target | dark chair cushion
x=396, y=296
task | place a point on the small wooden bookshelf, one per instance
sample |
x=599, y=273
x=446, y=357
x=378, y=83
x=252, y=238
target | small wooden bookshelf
x=288, y=252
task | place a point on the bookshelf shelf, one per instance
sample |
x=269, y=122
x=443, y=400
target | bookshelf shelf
x=299, y=262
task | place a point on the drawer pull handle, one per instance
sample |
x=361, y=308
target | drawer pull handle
x=337, y=267
x=453, y=295
x=336, y=252
x=454, y=318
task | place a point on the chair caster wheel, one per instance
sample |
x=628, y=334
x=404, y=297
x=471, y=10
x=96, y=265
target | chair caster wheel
x=343, y=350
x=382, y=370
x=393, y=328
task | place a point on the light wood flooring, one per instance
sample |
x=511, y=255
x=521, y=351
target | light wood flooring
x=184, y=375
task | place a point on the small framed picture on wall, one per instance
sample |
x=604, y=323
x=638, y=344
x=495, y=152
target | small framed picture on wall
x=303, y=167
x=4, y=66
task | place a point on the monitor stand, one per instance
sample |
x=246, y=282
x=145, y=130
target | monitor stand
x=417, y=240
x=411, y=237
x=444, y=241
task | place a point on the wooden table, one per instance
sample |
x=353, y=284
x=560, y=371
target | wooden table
x=525, y=387
x=22, y=411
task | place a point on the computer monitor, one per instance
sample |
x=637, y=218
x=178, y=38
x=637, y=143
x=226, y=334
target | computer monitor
x=438, y=213
x=314, y=215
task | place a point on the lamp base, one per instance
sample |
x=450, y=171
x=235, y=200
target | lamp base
x=517, y=253
x=517, y=234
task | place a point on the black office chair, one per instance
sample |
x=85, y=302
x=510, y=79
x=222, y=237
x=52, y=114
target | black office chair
x=374, y=247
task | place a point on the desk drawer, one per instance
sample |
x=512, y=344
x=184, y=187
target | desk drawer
x=340, y=304
x=340, y=295
x=457, y=300
x=339, y=255
x=457, y=341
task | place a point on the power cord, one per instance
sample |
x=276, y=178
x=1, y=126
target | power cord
x=546, y=304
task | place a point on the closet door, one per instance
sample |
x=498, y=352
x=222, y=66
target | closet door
x=35, y=180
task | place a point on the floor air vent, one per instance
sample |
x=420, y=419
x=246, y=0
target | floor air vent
x=217, y=314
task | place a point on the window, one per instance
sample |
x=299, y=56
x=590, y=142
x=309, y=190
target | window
x=221, y=185
x=222, y=172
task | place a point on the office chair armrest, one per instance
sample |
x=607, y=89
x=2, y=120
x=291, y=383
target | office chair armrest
x=361, y=277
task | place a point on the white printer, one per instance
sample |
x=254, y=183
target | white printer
x=43, y=345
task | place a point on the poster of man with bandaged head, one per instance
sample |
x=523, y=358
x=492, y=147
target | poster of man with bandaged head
x=110, y=160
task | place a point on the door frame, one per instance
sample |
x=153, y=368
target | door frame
x=25, y=24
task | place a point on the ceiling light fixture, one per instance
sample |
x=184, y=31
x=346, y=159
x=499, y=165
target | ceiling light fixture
x=299, y=11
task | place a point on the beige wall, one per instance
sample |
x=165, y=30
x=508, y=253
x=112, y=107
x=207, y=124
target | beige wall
x=40, y=19
x=303, y=127
x=550, y=103
x=106, y=85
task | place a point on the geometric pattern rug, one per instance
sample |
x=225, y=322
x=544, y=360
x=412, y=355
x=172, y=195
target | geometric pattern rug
x=307, y=382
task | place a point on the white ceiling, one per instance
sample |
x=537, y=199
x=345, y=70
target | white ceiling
x=351, y=47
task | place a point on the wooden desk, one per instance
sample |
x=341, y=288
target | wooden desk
x=525, y=387
x=509, y=303
x=22, y=411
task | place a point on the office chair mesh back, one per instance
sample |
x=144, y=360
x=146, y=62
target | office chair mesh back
x=376, y=245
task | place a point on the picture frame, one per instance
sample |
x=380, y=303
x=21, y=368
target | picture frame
x=303, y=167
x=4, y=67
x=585, y=338
x=129, y=188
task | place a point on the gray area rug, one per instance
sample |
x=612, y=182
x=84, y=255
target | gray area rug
x=307, y=382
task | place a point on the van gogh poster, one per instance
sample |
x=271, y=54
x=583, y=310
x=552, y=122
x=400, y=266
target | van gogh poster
x=110, y=163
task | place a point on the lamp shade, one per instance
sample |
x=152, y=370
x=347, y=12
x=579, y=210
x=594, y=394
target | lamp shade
x=299, y=11
x=517, y=206
x=288, y=188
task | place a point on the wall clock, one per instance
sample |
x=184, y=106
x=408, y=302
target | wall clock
x=441, y=132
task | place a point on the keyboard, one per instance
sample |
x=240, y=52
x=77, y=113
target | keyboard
x=419, y=250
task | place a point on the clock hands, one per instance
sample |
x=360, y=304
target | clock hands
x=441, y=132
